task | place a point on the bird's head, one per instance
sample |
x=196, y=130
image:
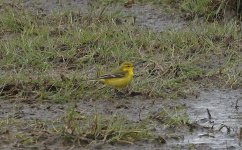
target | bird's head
x=127, y=66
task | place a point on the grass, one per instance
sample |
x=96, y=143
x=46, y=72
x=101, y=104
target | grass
x=50, y=58
x=69, y=43
x=98, y=128
x=74, y=128
x=172, y=117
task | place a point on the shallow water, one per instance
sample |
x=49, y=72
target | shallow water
x=222, y=130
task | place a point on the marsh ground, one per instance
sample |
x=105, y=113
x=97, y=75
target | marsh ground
x=187, y=88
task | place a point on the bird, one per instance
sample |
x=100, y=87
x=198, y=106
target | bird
x=120, y=77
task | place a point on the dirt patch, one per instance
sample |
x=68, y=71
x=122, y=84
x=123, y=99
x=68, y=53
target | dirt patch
x=154, y=18
x=49, y=6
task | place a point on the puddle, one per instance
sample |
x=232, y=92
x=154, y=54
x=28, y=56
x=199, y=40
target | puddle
x=221, y=131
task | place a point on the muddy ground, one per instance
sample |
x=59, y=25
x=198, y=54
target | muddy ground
x=215, y=114
x=148, y=16
x=220, y=131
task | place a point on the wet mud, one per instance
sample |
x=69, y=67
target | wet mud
x=219, y=113
x=154, y=18
x=215, y=117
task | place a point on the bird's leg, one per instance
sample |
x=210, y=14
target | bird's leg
x=118, y=93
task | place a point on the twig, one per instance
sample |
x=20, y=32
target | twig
x=236, y=104
x=227, y=127
x=209, y=114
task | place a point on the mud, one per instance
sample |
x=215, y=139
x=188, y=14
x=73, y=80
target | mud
x=48, y=6
x=219, y=131
x=154, y=18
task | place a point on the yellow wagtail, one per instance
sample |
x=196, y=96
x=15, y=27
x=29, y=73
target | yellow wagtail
x=120, y=77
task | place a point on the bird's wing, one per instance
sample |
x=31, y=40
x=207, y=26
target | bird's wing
x=114, y=75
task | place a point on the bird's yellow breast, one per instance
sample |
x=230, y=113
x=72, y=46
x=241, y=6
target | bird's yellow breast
x=118, y=82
